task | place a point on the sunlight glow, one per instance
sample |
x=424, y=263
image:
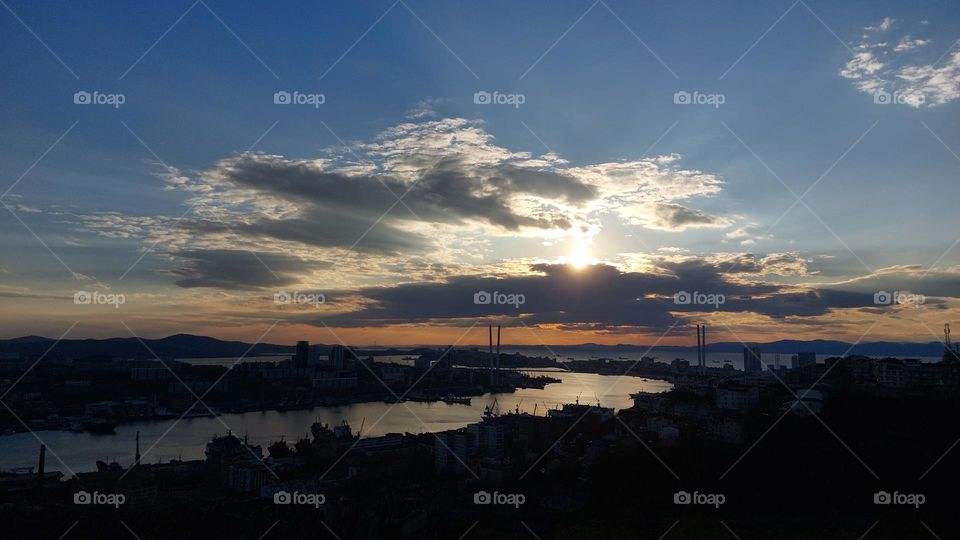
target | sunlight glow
x=579, y=257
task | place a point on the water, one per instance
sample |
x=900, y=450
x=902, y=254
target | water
x=71, y=452
x=714, y=359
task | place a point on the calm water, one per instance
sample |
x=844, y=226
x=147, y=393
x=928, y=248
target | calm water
x=714, y=359
x=77, y=452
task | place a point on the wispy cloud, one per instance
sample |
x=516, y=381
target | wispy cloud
x=895, y=73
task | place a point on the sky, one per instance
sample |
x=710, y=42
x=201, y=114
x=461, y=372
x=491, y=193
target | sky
x=407, y=172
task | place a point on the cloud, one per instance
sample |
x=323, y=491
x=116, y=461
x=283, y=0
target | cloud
x=895, y=75
x=939, y=85
x=942, y=283
x=883, y=26
x=440, y=189
x=236, y=270
x=425, y=108
x=782, y=264
x=601, y=296
x=907, y=44
x=675, y=218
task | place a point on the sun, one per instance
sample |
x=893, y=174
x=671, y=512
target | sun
x=579, y=257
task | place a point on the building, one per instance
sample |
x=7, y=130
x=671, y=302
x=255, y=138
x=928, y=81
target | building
x=159, y=373
x=737, y=397
x=393, y=374
x=423, y=362
x=314, y=358
x=490, y=438
x=751, y=359
x=342, y=358
x=237, y=464
x=453, y=449
x=302, y=355
x=333, y=383
x=809, y=402
x=803, y=359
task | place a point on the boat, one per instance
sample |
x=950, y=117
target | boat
x=452, y=399
x=280, y=449
x=323, y=433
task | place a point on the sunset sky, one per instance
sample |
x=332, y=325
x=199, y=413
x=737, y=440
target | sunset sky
x=796, y=159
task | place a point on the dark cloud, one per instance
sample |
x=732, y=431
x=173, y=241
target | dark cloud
x=550, y=184
x=238, y=270
x=676, y=217
x=335, y=208
x=323, y=228
x=599, y=295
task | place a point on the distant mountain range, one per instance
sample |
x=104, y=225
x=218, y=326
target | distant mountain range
x=822, y=347
x=190, y=346
x=178, y=346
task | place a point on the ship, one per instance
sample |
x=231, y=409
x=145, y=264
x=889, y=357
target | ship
x=323, y=433
x=452, y=399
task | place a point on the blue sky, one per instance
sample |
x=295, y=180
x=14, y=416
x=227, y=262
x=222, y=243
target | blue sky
x=598, y=82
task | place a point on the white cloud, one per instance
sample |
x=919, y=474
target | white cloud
x=884, y=25
x=894, y=75
x=907, y=44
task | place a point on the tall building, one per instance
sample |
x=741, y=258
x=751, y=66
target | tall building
x=751, y=359
x=302, y=355
x=342, y=358
x=803, y=359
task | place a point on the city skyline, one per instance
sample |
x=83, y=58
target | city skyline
x=780, y=175
x=420, y=269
